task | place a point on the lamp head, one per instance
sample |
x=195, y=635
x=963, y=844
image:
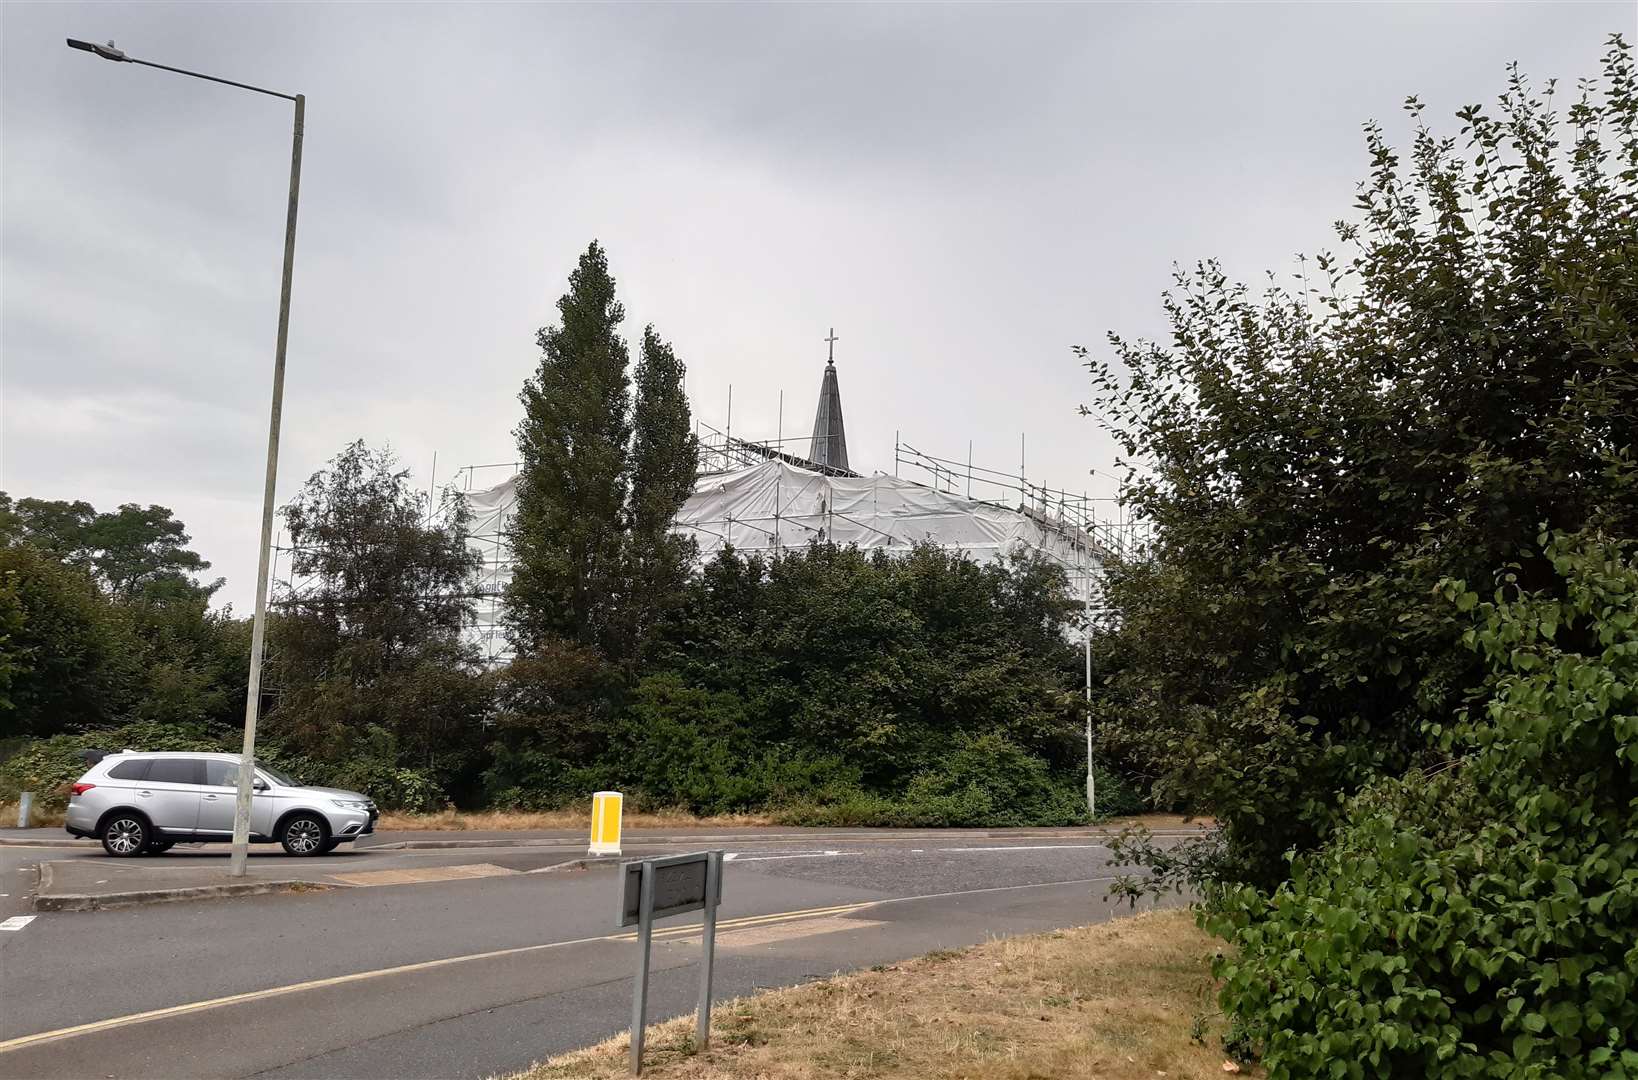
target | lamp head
x=107, y=52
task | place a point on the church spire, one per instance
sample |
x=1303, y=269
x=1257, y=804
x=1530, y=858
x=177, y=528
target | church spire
x=829, y=437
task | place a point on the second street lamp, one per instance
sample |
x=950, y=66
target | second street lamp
x=241, y=811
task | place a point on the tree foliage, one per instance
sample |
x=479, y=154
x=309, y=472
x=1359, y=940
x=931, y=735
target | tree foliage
x=605, y=468
x=1481, y=920
x=567, y=533
x=367, y=658
x=131, y=550
x=837, y=686
x=663, y=464
x=1316, y=458
x=71, y=657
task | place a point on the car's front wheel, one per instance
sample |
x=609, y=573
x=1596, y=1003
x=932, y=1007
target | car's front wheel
x=124, y=836
x=304, y=834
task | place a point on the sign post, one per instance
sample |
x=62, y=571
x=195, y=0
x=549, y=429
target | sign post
x=708, y=948
x=607, y=808
x=656, y=889
x=645, y=939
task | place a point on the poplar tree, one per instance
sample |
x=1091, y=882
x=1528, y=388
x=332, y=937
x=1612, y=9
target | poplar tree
x=567, y=534
x=663, y=461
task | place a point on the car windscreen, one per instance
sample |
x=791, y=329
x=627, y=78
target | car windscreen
x=278, y=777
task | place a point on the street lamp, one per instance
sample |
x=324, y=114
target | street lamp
x=241, y=810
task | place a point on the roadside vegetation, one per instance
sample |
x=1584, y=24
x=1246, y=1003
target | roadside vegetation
x=1385, y=631
x=576, y=816
x=1125, y=1000
x=1388, y=632
x=824, y=686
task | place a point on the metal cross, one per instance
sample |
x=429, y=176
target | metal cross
x=833, y=339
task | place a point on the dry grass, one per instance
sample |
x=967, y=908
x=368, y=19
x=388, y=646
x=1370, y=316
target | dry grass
x=38, y=818
x=579, y=817
x=574, y=817
x=1119, y=1001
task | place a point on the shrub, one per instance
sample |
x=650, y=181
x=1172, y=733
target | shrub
x=1482, y=921
x=986, y=781
x=391, y=786
x=48, y=766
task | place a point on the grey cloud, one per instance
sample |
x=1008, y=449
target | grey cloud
x=962, y=191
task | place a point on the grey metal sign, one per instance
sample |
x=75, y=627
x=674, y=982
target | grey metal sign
x=679, y=886
x=654, y=889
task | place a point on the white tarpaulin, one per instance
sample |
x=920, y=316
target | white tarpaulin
x=776, y=505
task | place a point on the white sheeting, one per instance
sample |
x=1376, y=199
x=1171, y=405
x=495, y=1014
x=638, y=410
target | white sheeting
x=776, y=505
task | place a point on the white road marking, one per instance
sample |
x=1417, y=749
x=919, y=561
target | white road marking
x=1030, y=847
x=739, y=856
x=16, y=922
x=427, y=965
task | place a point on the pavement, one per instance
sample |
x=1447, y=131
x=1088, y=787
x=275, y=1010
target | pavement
x=477, y=960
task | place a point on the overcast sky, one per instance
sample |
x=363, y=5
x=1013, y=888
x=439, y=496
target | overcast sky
x=963, y=192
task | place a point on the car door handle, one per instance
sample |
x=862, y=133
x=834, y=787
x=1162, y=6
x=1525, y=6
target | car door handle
x=211, y=796
x=145, y=794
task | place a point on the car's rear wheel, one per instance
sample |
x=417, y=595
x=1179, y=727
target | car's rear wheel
x=124, y=836
x=304, y=834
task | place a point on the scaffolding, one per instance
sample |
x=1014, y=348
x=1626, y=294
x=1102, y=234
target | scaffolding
x=768, y=496
x=721, y=452
x=1113, y=533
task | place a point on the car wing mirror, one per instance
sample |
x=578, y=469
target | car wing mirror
x=258, y=784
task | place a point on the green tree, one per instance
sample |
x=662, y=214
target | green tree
x=367, y=656
x=11, y=626
x=72, y=659
x=138, y=548
x=887, y=661
x=57, y=527
x=129, y=550
x=1482, y=919
x=663, y=463
x=567, y=534
x=555, y=715
x=1315, y=459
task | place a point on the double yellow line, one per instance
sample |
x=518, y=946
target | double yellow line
x=669, y=932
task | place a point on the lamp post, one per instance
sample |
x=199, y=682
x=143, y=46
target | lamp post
x=241, y=810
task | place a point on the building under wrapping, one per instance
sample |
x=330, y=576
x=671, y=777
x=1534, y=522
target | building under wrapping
x=754, y=496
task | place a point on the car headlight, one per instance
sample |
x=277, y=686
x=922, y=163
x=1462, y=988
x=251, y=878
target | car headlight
x=351, y=804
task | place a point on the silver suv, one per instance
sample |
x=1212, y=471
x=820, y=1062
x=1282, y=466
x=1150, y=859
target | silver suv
x=139, y=804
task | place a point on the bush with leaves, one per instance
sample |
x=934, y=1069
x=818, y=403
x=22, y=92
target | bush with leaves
x=1481, y=921
x=48, y=766
x=1314, y=460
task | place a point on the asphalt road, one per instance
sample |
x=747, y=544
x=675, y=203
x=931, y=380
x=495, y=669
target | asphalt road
x=477, y=977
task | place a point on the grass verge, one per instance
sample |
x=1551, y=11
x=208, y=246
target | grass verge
x=572, y=817
x=1118, y=1001
x=38, y=818
x=579, y=817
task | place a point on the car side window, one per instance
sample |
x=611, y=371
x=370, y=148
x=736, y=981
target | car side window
x=176, y=771
x=221, y=773
x=130, y=770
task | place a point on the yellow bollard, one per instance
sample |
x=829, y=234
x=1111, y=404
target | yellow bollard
x=605, y=827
